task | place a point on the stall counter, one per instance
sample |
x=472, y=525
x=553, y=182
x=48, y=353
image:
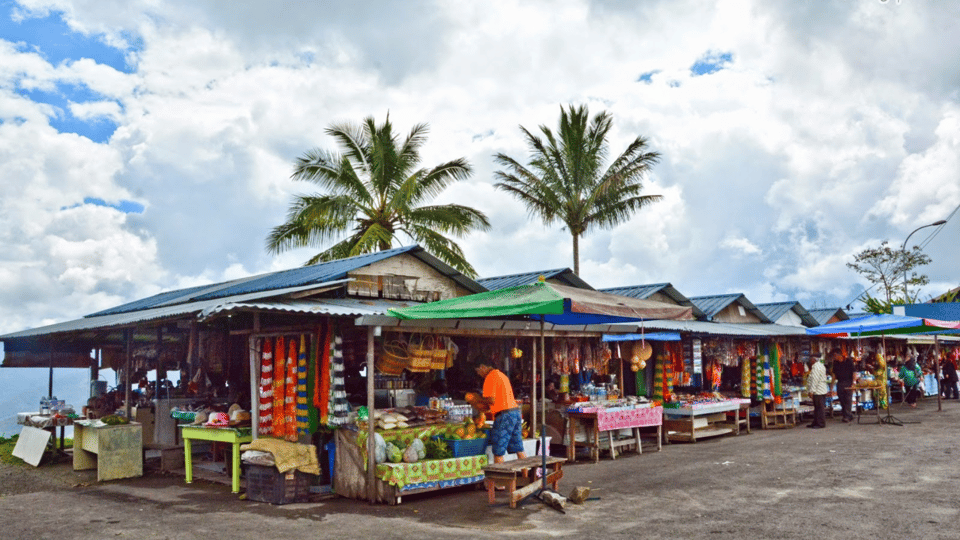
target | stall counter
x=394, y=480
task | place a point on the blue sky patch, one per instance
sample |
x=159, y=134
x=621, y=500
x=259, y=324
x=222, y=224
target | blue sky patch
x=56, y=42
x=127, y=207
x=648, y=76
x=710, y=63
x=99, y=129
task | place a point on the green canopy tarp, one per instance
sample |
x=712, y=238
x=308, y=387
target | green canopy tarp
x=557, y=304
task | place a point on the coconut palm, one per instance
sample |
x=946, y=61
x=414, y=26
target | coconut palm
x=565, y=179
x=372, y=192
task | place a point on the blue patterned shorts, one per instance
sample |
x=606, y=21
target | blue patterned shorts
x=505, y=437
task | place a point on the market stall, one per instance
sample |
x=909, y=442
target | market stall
x=700, y=418
x=611, y=419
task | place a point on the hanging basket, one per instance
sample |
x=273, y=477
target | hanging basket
x=420, y=350
x=393, y=359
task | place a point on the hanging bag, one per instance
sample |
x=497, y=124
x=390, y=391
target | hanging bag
x=393, y=359
x=421, y=353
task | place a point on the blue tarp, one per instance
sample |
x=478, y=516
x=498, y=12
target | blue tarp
x=651, y=336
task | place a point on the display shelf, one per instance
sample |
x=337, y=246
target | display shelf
x=703, y=420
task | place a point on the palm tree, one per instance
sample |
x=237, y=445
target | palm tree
x=374, y=191
x=565, y=180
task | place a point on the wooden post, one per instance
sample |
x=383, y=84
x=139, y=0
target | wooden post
x=533, y=390
x=371, y=434
x=936, y=348
x=126, y=371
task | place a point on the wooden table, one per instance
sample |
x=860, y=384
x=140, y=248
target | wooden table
x=518, y=480
x=701, y=421
x=610, y=422
x=115, y=451
x=233, y=436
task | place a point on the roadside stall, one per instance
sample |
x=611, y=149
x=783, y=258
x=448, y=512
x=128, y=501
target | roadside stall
x=562, y=307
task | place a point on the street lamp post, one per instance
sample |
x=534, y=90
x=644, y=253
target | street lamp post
x=906, y=297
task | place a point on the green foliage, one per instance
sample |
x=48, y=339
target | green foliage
x=878, y=306
x=888, y=267
x=373, y=191
x=437, y=449
x=7, y=444
x=566, y=181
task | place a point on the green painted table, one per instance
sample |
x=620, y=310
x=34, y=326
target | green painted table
x=234, y=436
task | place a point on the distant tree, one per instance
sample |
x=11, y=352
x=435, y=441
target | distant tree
x=566, y=180
x=885, y=266
x=373, y=191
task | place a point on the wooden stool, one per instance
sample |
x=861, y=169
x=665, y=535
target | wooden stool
x=518, y=479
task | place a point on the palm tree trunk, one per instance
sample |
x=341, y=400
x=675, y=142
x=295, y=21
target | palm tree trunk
x=576, y=254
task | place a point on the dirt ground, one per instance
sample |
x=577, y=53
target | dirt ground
x=845, y=481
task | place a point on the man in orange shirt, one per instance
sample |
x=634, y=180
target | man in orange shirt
x=506, y=436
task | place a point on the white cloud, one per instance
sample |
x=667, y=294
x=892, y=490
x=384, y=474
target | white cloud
x=832, y=126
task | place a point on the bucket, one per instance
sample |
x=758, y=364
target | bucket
x=98, y=388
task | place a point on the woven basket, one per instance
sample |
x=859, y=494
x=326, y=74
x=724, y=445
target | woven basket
x=394, y=358
x=420, y=350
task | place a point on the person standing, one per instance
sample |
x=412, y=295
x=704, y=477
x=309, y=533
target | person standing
x=950, y=379
x=911, y=375
x=818, y=388
x=843, y=370
x=506, y=435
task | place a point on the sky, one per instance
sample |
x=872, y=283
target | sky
x=147, y=145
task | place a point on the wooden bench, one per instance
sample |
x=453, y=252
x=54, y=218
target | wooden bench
x=518, y=478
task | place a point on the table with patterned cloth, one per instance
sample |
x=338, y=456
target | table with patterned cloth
x=610, y=421
x=436, y=473
x=393, y=480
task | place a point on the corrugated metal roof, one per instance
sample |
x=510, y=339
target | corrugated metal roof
x=343, y=307
x=564, y=275
x=314, y=274
x=775, y=310
x=637, y=291
x=134, y=317
x=168, y=297
x=823, y=315
x=711, y=305
x=317, y=273
x=756, y=330
x=644, y=292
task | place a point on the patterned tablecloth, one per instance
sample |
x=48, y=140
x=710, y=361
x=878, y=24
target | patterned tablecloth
x=434, y=472
x=629, y=418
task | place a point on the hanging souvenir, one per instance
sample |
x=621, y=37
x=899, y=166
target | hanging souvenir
x=265, y=425
x=279, y=387
x=290, y=396
x=303, y=413
x=338, y=394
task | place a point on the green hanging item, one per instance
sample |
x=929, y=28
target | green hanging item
x=775, y=364
x=641, y=378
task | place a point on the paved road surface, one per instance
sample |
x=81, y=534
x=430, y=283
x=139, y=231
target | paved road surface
x=846, y=481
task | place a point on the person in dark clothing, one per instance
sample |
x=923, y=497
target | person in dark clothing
x=843, y=370
x=950, y=390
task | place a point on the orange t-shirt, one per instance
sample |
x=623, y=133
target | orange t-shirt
x=496, y=385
